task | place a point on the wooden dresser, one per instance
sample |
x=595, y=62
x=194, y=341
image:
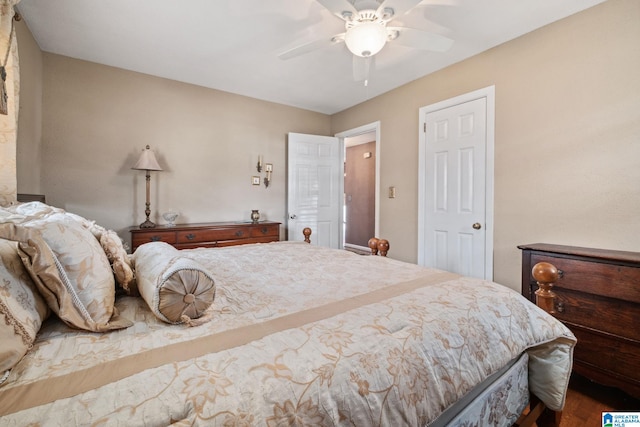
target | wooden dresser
x=598, y=298
x=211, y=234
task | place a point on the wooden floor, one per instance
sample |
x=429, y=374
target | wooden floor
x=587, y=400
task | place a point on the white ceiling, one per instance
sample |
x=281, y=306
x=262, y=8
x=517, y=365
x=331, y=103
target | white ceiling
x=233, y=45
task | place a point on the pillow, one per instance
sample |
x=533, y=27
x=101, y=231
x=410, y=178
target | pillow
x=177, y=289
x=22, y=309
x=120, y=262
x=70, y=270
x=111, y=244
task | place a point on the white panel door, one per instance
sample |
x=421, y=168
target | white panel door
x=314, y=196
x=454, y=176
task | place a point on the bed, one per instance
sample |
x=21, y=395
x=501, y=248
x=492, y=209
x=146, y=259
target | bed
x=283, y=333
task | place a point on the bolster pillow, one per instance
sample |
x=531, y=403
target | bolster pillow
x=177, y=289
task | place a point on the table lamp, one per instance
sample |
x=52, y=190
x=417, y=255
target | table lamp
x=147, y=162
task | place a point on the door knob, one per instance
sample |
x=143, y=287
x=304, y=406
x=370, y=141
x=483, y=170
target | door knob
x=293, y=216
x=477, y=226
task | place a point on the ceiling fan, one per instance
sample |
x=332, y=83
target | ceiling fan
x=367, y=32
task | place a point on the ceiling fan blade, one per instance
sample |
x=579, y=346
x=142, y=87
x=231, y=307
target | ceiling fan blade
x=419, y=39
x=311, y=46
x=400, y=7
x=337, y=7
x=362, y=68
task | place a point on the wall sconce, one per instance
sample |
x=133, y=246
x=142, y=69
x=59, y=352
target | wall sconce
x=259, y=165
x=268, y=169
x=147, y=162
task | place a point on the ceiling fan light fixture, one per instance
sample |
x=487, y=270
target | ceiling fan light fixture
x=366, y=39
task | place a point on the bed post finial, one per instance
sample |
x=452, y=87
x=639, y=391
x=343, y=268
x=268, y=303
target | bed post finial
x=378, y=246
x=546, y=276
x=383, y=247
x=307, y=232
x=373, y=245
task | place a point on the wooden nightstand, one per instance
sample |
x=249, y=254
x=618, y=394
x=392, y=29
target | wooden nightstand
x=208, y=234
x=598, y=298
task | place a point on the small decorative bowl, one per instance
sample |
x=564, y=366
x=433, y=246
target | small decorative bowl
x=170, y=217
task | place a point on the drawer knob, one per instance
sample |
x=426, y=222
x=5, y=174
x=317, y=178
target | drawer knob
x=190, y=236
x=155, y=238
x=560, y=273
x=560, y=307
x=239, y=233
x=264, y=230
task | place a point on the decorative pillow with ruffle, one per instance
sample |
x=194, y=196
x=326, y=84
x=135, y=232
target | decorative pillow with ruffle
x=108, y=239
x=177, y=289
x=120, y=261
x=70, y=269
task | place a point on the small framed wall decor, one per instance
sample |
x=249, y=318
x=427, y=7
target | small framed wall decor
x=255, y=180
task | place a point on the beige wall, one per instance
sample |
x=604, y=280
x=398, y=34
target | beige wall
x=97, y=119
x=567, y=140
x=567, y=145
x=28, y=148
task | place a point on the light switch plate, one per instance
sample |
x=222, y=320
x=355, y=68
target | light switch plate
x=392, y=192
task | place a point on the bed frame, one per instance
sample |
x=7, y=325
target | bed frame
x=546, y=275
x=377, y=246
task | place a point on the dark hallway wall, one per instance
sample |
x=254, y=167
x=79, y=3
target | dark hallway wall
x=359, y=188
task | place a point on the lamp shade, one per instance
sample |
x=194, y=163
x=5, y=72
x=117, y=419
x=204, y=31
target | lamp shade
x=366, y=39
x=147, y=161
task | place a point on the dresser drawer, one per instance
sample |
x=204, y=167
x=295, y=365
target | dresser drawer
x=222, y=243
x=599, y=313
x=270, y=230
x=141, y=238
x=608, y=353
x=211, y=235
x=615, y=281
x=200, y=245
x=245, y=241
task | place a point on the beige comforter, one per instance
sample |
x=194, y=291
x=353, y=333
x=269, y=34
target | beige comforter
x=300, y=335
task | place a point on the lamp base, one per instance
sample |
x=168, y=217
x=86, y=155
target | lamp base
x=147, y=224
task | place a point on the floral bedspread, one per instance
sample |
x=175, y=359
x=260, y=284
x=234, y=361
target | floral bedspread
x=300, y=335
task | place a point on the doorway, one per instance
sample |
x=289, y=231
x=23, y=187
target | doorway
x=359, y=191
x=361, y=185
x=314, y=188
x=315, y=184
